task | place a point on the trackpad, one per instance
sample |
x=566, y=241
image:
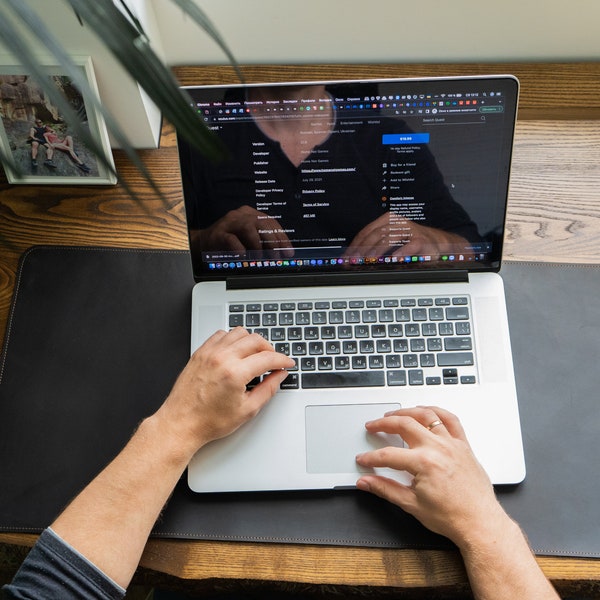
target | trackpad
x=335, y=434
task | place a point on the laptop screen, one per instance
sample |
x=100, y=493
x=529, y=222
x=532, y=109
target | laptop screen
x=351, y=176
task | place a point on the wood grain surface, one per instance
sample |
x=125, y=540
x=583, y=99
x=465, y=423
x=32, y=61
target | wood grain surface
x=553, y=216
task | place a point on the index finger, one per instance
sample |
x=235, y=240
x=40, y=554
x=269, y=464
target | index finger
x=406, y=426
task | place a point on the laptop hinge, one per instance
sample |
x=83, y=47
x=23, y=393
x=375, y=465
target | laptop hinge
x=333, y=279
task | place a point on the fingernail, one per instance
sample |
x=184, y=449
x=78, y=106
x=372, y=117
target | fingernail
x=361, y=484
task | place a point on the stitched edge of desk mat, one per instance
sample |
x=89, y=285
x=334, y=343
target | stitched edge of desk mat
x=380, y=513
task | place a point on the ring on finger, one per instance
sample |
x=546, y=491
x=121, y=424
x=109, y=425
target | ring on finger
x=434, y=424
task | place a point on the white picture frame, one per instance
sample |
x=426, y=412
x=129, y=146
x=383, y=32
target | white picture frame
x=40, y=142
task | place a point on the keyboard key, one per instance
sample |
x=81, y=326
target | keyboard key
x=412, y=330
x=328, y=332
x=299, y=348
x=410, y=360
x=315, y=348
x=427, y=360
x=383, y=346
x=394, y=330
x=376, y=361
x=291, y=382
x=396, y=377
x=252, y=319
x=359, y=362
x=294, y=333
x=277, y=334
x=419, y=314
x=342, y=363
x=458, y=343
x=454, y=359
x=343, y=379
x=282, y=348
x=457, y=313
x=393, y=361
x=311, y=333
x=286, y=318
x=319, y=318
x=367, y=346
x=236, y=320
x=463, y=328
x=402, y=315
x=434, y=344
x=415, y=377
x=324, y=363
x=350, y=347
x=401, y=345
x=332, y=347
x=446, y=329
x=303, y=318
x=308, y=364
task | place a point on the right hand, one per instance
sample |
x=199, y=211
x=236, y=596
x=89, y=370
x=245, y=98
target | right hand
x=451, y=493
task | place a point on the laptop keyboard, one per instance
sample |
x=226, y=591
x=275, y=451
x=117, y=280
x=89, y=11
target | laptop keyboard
x=417, y=341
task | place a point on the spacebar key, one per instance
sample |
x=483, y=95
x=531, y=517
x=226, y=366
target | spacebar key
x=332, y=379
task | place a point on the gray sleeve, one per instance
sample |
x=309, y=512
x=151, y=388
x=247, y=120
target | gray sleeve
x=53, y=569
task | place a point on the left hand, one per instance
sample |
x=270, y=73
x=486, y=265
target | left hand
x=209, y=399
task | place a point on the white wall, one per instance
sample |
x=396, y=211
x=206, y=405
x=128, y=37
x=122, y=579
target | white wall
x=321, y=31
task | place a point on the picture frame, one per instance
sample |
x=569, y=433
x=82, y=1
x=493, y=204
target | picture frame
x=44, y=148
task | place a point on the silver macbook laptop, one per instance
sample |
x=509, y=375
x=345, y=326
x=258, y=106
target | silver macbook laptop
x=358, y=226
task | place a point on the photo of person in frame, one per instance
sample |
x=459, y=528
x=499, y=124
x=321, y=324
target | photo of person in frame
x=44, y=146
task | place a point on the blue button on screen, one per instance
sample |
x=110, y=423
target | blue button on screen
x=405, y=138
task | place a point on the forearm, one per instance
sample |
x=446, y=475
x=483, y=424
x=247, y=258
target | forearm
x=110, y=520
x=501, y=565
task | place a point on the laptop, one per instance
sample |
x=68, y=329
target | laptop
x=357, y=225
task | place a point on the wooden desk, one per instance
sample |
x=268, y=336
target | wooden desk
x=553, y=215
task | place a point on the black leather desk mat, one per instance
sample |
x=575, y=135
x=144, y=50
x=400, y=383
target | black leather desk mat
x=96, y=337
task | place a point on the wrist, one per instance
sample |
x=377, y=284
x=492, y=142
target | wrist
x=177, y=444
x=488, y=533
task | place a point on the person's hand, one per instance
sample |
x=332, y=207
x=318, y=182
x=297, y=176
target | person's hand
x=209, y=399
x=246, y=228
x=396, y=236
x=450, y=494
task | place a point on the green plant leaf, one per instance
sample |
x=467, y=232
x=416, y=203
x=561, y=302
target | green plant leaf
x=134, y=52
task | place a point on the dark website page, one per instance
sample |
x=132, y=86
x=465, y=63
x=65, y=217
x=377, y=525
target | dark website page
x=339, y=177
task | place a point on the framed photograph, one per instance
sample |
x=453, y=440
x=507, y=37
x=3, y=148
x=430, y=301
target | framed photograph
x=44, y=147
